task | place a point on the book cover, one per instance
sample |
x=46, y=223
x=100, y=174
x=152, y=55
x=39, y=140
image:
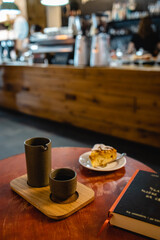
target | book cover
x=138, y=206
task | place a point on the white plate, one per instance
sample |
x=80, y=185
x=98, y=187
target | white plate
x=85, y=162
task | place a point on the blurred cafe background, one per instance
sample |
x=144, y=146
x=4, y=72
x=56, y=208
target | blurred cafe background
x=81, y=72
x=79, y=32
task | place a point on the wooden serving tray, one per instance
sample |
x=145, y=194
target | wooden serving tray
x=40, y=198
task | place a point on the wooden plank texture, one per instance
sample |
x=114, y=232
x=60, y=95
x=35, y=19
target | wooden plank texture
x=123, y=102
x=36, y=13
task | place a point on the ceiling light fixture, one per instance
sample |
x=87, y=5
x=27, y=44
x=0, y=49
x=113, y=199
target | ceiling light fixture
x=8, y=1
x=9, y=7
x=54, y=2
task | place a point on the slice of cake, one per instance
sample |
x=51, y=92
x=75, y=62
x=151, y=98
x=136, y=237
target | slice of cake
x=102, y=154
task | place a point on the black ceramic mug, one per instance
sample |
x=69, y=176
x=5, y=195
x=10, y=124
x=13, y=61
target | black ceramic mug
x=63, y=183
x=38, y=161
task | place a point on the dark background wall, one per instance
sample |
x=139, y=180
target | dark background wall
x=104, y=5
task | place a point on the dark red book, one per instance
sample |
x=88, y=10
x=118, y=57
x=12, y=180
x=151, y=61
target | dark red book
x=137, y=208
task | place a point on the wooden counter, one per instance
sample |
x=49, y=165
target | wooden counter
x=122, y=102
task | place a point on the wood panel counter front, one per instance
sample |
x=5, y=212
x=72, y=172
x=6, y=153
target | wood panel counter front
x=122, y=102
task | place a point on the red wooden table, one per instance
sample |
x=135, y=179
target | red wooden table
x=19, y=220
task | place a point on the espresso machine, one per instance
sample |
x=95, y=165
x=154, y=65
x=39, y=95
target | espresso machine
x=100, y=42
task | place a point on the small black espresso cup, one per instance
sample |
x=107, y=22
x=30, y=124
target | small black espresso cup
x=63, y=183
x=38, y=161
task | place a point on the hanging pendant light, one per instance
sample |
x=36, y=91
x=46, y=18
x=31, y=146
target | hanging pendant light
x=54, y=2
x=9, y=7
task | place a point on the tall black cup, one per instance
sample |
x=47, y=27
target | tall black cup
x=38, y=161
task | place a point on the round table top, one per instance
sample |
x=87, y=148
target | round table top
x=20, y=220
